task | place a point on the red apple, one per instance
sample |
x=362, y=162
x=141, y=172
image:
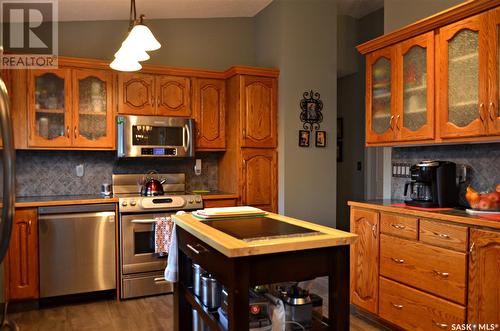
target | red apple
x=484, y=203
x=498, y=188
x=494, y=197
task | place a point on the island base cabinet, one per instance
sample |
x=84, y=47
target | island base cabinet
x=484, y=277
x=411, y=309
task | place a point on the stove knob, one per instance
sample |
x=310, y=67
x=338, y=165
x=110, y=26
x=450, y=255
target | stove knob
x=124, y=203
x=133, y=203
x=191, y=200
x=198, y=199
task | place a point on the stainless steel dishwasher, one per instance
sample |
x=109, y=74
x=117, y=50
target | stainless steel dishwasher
x=77, y=249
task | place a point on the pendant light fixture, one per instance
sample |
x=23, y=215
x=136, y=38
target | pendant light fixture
x=133, y=49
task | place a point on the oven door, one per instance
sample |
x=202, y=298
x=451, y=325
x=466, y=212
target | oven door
x=137, y=237
x=154, y=136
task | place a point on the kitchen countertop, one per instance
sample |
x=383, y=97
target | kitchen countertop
x=61, y=200
x=454, y=215
x=233, y=247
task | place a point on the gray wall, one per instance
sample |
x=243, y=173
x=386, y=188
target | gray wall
x=300, y=38
x=399, y=13
x=351, y=108
x=199, y=43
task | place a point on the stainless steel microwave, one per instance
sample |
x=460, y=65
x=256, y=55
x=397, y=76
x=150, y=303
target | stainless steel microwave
x=154, y=136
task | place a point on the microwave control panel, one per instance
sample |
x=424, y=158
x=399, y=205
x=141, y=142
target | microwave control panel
x=160, y=151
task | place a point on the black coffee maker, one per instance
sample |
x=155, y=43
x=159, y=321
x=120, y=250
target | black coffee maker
x=433, y=184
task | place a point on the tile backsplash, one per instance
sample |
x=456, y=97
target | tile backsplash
x=41, y=173
x=483, y=161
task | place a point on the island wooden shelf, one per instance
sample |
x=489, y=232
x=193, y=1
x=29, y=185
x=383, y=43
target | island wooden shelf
x=240, y=265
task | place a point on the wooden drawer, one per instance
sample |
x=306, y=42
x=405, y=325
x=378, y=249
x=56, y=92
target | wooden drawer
x=219, y=203
x=444, y=235
x=412, y=309
x=433, y=269
x=399, y=225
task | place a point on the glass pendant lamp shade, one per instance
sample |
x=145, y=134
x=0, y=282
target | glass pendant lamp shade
x=132, y=53
x=141, y=37
x=125, y=64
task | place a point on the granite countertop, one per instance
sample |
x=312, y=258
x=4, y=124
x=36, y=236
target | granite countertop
x=60, y=200
x=452, y=215
x=233, y=247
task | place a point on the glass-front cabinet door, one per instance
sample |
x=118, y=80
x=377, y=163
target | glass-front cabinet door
x=49, y=108
x=92, y=109
x=463, y=79
x=494, y=71
x=415, y=110
x=380, y=105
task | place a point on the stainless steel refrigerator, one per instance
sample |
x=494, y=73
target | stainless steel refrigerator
x=7, y=187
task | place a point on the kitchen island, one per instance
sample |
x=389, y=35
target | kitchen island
x=239, y=260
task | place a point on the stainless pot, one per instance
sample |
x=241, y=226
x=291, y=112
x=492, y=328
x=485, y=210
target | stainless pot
x=224, y=300
x=210, y=291
x=197, y=272
x=198, y=323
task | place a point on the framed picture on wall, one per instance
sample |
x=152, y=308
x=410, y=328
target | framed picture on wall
x=304, y=137
x=320, y=138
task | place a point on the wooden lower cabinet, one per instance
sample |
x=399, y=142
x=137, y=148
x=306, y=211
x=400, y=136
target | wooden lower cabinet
x=21, y=265
x=484, y=277
x=412, y=309
x=365, y=259
x=216, y=203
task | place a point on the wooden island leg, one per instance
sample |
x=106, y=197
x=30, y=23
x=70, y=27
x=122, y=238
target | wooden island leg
x=238, y=296
x=338, y=289
x=182, y=309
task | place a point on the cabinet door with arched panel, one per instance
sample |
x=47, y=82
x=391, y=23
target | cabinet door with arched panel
x=380, y=100
x=259, y=114
x=415, y=104
x=136, y=94
x=93, y=120
x=49, y=104
x=173, y=96
x=463, y=78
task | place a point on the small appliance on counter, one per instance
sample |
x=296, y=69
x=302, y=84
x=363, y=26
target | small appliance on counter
x=433, y=184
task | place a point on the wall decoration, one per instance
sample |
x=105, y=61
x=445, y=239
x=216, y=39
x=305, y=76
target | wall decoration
x=339, y=150
x=304, y=137
x=320, y=138
x=340, y=128
x=311, y=107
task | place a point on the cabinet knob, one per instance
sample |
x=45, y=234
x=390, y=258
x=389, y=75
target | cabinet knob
x=440, y=325
x=398, y=261
x=397, y=306
x=441, y=274
x=398, y=226
x=391, y=125
x=67, y=131
x=374, y=230
x=442, y=235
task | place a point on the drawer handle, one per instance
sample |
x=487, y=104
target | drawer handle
x=198, y=250
x=397, y=306
x=440, y=325
x=441, y=274
x=442, y=235
x=398, y=226
x=399, y=261
x=159, y=280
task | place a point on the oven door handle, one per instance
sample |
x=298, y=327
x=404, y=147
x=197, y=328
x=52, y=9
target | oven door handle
x=146, y=221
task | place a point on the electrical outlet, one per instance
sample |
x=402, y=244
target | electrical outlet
x=79, y=170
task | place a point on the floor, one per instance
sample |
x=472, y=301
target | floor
x=153, y=313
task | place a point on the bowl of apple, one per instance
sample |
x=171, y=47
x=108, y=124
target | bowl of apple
x=484, y=201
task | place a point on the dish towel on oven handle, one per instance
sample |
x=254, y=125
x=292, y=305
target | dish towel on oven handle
x=163, y=235
x=171, y=273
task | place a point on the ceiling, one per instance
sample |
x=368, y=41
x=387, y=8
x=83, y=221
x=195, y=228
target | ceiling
x=358, y=8
x=94, y=10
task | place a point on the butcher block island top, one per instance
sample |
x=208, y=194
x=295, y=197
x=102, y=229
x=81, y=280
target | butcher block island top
x=279, y=234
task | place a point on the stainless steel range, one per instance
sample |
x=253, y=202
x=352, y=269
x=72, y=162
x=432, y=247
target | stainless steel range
x=141, y=271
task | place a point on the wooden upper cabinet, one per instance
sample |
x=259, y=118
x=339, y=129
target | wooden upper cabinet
x=173, y=96
x=49, y=108
x=493, y=69
x=259, y=112
x=484, y=279
x=365, y=259
x=93, y=115
x=259, y=178
x=380, y=95
x=463, y=78
x=209, y=98
x=136, y=94
x=415, y=102
x=22, y=261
